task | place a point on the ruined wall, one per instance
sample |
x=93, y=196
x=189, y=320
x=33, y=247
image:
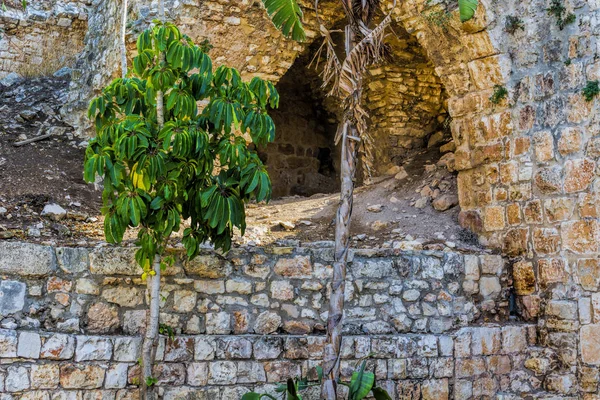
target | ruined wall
x=41, y=39
x=528, y=166
x=436, y=322
x=405, y=100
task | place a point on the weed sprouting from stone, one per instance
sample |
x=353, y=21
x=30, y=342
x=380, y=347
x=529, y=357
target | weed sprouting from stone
x=591, y=90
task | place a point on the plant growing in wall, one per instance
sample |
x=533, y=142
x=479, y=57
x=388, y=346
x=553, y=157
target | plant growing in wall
x=500, y=93
x=163, y=160
x=591, y=90
x=512, y=24
x=362, y=383
x=344, y=73
x=559, y=11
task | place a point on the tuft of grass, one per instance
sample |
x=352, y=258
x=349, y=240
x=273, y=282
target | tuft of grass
x=591, y=90
x=513, y=24
x=500, y=93
x=559, y=11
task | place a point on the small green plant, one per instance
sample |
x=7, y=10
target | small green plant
x=439, y=18
x=166, y=330
x=568, y=62
x=500, y=93
x=591, y=90
x=361, y=384
x=151, y=381
x=512, y=24
x=559, y=11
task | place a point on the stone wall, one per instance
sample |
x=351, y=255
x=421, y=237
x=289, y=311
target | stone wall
x=437, y=322
x=41, y=39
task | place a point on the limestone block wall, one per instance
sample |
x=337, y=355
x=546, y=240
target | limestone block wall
x=41, y=39
x=436, y=323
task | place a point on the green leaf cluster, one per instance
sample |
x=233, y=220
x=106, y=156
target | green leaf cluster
x=199, y=165
x=500, y=93
x=361, y=384
x=591, y=90
x=286, y=15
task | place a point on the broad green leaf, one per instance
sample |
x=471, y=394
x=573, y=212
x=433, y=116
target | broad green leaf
x=467, y=9
x=286, y=15
x=380, y=394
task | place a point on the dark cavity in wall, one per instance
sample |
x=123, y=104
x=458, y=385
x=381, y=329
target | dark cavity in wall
x=302, y=159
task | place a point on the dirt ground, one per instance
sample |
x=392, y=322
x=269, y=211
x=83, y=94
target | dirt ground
x=50, y=171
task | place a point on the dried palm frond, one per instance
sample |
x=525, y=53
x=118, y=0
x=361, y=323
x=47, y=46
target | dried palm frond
x=364, y=10
x=365, y=53
x=333, y=66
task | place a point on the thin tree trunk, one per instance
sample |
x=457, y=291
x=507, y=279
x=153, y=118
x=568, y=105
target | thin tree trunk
x=151, y=338
x=331, y=352
x=153, y=282
x=123, y=44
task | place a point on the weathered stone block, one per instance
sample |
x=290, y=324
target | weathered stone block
x=73, y=260
x=218, y=323
x=297, y=267
x=204, y=348
x=581, y=237
x=103, y=318
x=222, y=373
x=91, y=348
x=26, y=259
x=267, y=322
x=208, y=266
x=29, y=345
x=489, y=286
x=114, y=261
x=197, y=374
x=485, y=341
x=58, y=347
x=8, y=343
x=45, y=376
x=435, y=389
x=578, y=174
x=184, y=301
x=12, y=297
x=116, y=376
x=552, y=270
x=494, y=218
x=125, y=296
x=558, y=209
x=127, y=349
x=79, y=377
x=17, y=379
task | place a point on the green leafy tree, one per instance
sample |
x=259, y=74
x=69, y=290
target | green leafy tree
x=163, y=160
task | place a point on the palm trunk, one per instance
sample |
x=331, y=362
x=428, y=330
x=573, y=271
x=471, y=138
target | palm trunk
x=151, y=338
x=331, y=351
x=153, y=282
x=123, y=44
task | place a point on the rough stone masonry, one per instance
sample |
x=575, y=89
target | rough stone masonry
x=436, y=322
x=528, y=166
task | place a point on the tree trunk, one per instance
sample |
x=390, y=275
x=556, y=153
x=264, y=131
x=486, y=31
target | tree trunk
x=153, y=282
x=123, y=44
x=151, y=338
x=331, y=351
